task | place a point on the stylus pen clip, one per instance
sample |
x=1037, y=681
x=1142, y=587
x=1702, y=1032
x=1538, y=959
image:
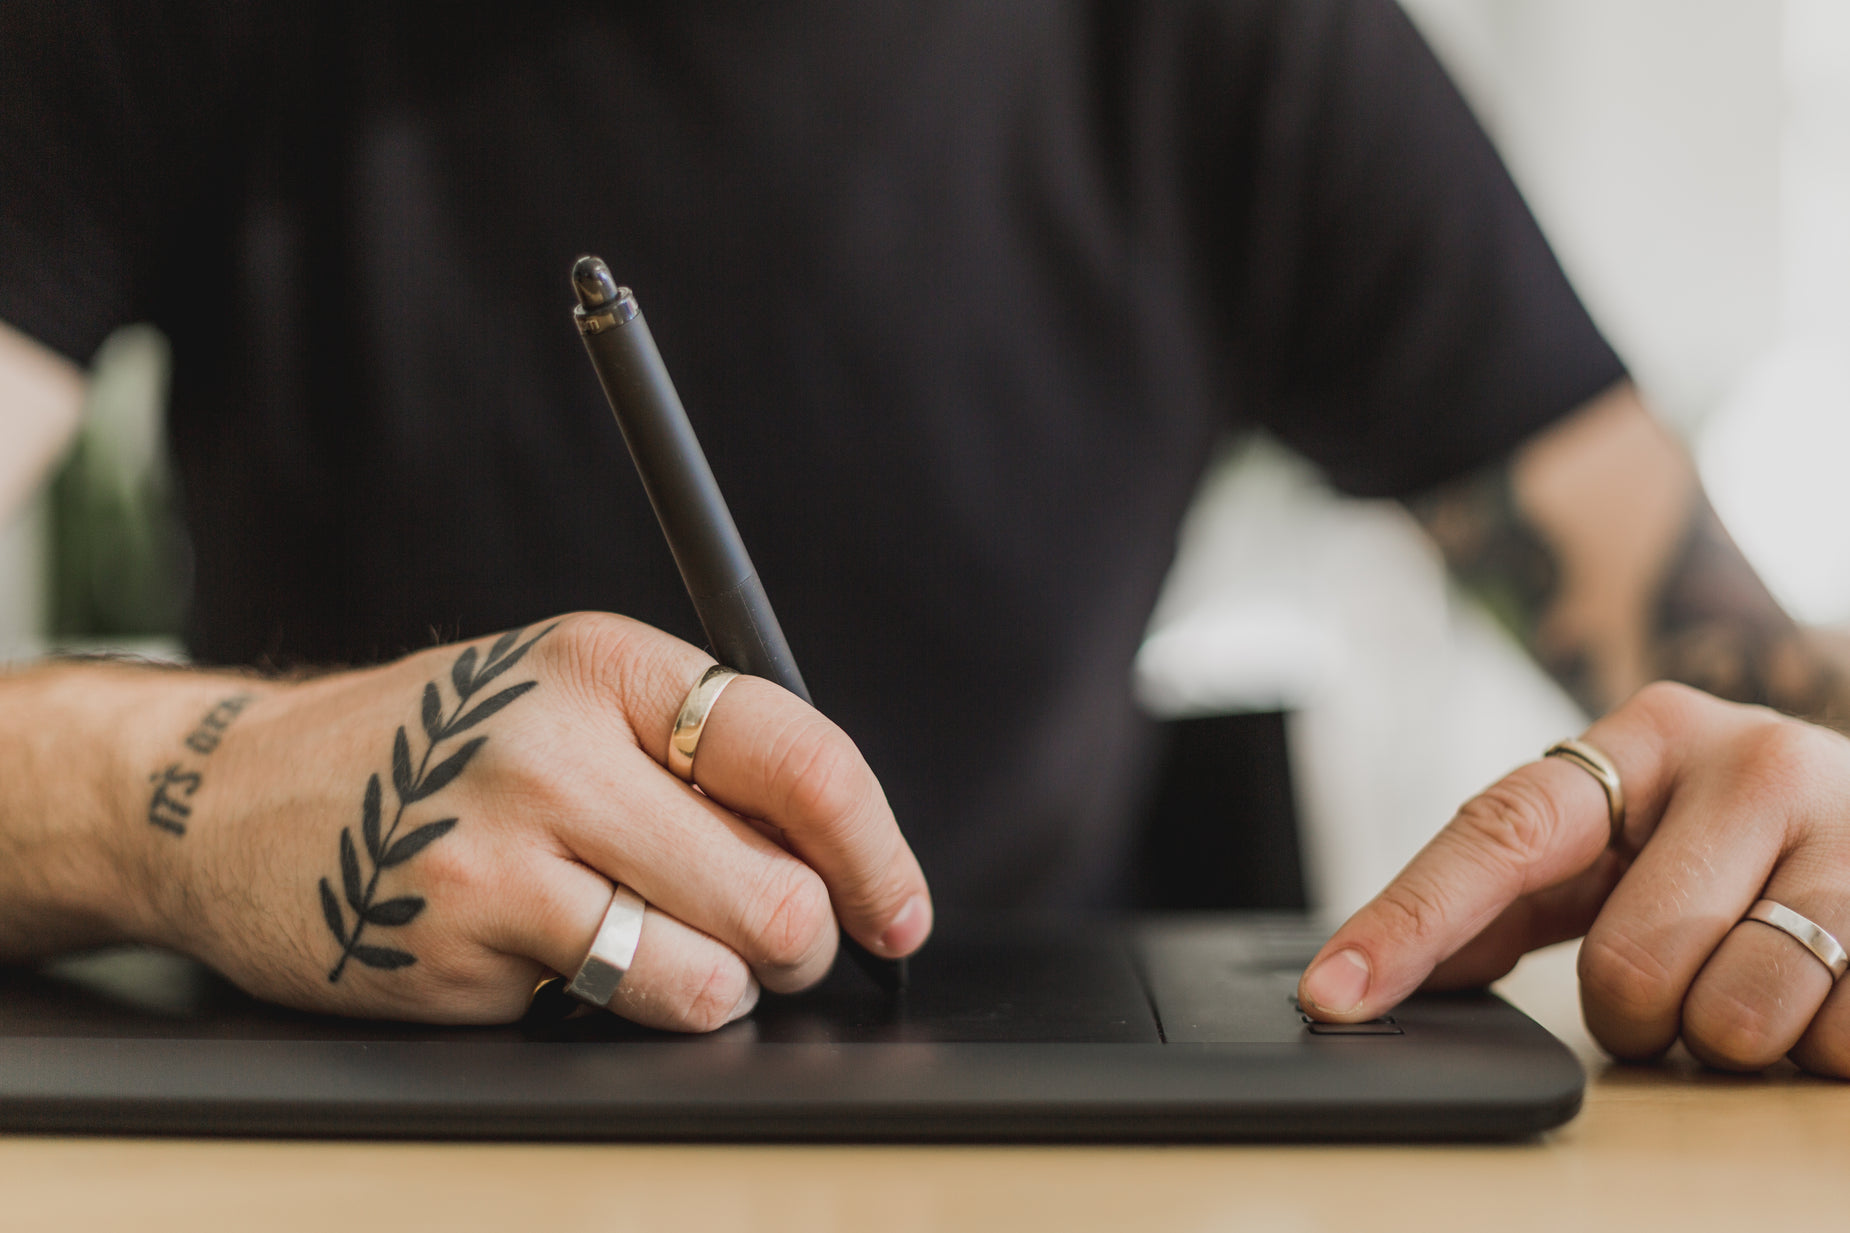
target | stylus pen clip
x=727, y=595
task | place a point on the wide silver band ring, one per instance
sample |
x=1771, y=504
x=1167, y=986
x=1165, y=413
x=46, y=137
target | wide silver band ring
x=691, y=721
x=612, y=950
x=1806, y=932
x=1595, y=763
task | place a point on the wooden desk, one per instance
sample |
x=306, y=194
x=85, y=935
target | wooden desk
x=1655, y=1148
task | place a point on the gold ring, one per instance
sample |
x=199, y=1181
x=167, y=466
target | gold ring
x=545, y=996
x=684, y=741
x=1598, y=765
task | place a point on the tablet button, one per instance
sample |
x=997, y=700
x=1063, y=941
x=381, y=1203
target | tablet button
x=1386, y=1025
x=1374, y=1027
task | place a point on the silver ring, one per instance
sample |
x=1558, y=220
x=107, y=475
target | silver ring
x=1807, y=933
x=1595, y=763
x=691, y=720
x=612, y=950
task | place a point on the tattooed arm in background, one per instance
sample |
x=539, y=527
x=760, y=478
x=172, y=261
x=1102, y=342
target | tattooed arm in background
x=1595, y=545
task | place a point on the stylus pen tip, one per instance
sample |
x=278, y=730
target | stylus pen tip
x=592, y=280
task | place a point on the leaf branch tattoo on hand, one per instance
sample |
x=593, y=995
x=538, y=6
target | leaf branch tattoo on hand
x=383, y=846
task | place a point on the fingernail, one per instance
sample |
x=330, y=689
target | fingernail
x=906, y=930
x=1338, y=984
x=748, y=1001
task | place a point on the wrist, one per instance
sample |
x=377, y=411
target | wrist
x=96, y=822
x=178, y=735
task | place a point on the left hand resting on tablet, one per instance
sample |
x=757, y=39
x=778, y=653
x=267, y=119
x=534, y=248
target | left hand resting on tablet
x=1726, y=805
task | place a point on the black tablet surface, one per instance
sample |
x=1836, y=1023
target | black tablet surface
x=1155, y=1029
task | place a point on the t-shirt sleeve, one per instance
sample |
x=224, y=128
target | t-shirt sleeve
x=110, y=116
x=1402, y=316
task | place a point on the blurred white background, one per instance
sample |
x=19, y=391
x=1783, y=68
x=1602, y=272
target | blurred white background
x=1690, y=160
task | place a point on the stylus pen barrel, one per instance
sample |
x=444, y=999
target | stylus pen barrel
x=725, y=589
x=718, y=574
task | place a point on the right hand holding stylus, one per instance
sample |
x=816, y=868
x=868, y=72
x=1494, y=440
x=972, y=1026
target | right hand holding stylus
x=429, y=838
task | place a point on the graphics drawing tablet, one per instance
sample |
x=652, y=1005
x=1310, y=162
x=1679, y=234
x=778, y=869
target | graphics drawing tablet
x=1145, y=1029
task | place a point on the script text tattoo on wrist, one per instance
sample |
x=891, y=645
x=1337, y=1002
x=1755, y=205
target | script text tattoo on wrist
x=383, y=846
x=176, y=784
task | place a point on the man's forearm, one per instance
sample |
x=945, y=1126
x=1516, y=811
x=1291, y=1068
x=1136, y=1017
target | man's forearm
x=1596, y=546
x=106, y=764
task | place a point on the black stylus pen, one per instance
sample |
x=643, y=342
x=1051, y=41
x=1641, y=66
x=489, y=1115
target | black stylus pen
x=727, y=595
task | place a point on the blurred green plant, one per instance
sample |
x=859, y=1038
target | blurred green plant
x=120, y=565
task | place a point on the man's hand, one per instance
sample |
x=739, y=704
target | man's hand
x=1726, y=804
x=427, y=839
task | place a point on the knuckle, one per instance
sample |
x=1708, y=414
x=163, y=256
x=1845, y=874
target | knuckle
x=1511, y=822
x=455, y=983
x=588, y=652
x=607, y=660
x=1625, y=978
x=586, y=634
x=709, y=993
x=1729, y=1031
x=1415, y=912
x=796, y=917
x=1825, y=1052
x=1669, y=705
x=823, y=779
x=1781, y=756
x=1781, y=777
x=452, y=873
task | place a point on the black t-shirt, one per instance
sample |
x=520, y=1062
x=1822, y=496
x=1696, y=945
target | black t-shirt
x=959, y=296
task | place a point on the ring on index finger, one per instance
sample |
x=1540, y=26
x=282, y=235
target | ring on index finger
x=1590, y=759
x=691, y=720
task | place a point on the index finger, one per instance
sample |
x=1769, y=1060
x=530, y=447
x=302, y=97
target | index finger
x=768, y=755
x=1535, y=828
